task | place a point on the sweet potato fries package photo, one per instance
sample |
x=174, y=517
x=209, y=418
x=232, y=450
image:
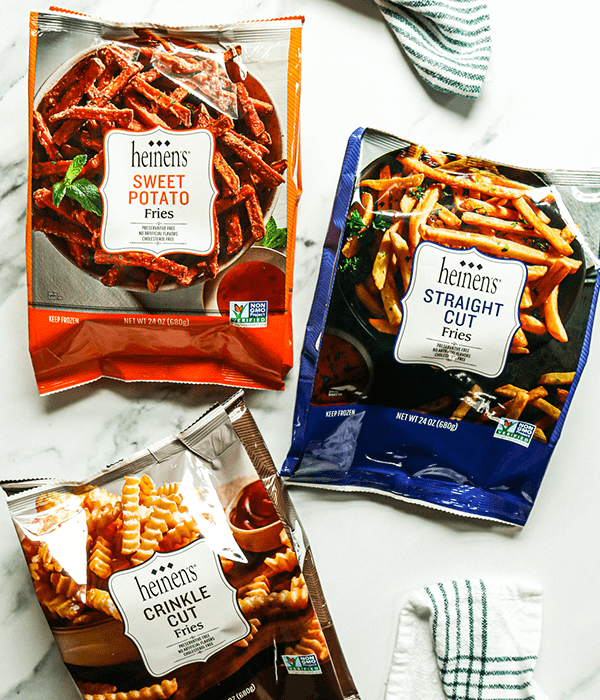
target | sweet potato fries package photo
x=450, y=327
x=164, y=183
x=182, y=572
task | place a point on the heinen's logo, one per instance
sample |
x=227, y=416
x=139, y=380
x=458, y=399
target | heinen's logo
x=159, y=158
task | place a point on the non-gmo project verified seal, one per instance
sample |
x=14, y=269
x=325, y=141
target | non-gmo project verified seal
x=515, y=431
x=306, y=663
x=248, y=313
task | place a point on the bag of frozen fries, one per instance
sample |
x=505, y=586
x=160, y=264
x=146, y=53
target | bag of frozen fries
x=183, y=572
x=450, y=326
x=164, y=182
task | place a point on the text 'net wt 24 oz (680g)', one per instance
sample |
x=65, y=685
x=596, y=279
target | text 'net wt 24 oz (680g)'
x=183, y=572
x=450, y=326
x=164, y=183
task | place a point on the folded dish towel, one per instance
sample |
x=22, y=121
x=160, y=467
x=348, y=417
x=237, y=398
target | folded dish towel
x=449, y=41
x=468, y=640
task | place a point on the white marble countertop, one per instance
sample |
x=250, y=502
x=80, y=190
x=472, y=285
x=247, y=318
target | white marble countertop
x=539, y=107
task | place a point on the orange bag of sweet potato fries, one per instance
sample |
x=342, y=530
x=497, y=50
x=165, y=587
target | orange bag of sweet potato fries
x=163, y=192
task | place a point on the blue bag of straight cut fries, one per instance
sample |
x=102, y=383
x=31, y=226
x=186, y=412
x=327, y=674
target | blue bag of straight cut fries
x=450, y=326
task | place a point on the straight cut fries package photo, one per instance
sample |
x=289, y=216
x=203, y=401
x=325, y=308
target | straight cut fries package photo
x=450, y=326
x=164, y=183
x=182, y=572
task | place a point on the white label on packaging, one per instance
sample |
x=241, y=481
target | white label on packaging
x=178, y=607
x=461, y=310
x=158, y=192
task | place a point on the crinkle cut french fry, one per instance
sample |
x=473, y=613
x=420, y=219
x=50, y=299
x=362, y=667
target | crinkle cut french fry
x=159, y=691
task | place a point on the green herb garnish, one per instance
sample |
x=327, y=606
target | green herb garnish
x=356, y=268
x=274, y=237
x=81, y=190
x=355, y=224
x=380, y=222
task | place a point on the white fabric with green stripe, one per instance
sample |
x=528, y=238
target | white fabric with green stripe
x=448, y=41
x=468, y=640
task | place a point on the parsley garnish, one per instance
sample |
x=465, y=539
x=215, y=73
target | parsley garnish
x=380, y=222
x=417, y=192
x=355, y=223
x=356, y=268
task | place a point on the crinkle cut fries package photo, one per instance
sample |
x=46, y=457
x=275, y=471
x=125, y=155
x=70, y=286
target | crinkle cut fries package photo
x=183, y=572
x=163, y=189
x=450, y=326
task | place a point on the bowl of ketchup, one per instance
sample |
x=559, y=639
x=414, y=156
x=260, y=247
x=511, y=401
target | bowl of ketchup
x=253, y=519
x=259, y=275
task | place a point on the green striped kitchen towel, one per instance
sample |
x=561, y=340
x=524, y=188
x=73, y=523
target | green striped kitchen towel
x=468, y=640
x=448, y=41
